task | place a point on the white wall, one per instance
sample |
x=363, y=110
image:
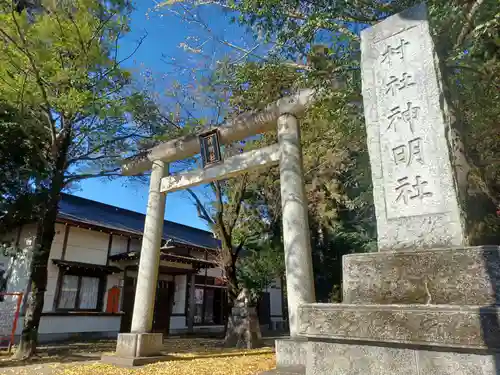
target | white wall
x=83, y=245
x=275, y=297
x=90, y=246
x=82, y=240
x=18, y=267
x=58, y=242
x=135, y=244
x=20, y=263
x=180, y=294
x=177, y=323
x=87, y=246
x=197, y=254
x=52, y=269
x=119, y=245
x=214, y=272
x=70, y=324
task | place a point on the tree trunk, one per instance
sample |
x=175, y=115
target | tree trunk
x=242, y=328
x=229, y=267
x=45, y=233
x=478, y=202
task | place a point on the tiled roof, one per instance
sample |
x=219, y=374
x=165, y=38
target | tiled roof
x=90, y=212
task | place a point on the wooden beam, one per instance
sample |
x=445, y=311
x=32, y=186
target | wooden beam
x=264, y=157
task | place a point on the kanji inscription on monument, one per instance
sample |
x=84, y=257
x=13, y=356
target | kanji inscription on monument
x=410, y=175
x=414, y=192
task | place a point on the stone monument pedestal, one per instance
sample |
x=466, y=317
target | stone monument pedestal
x=137, y=349
x=291, y=355
x=424, y=304
x=430, y=312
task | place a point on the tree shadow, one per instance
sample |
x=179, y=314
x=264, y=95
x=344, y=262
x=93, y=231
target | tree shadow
x=176, y=348
x=64, y=356
x=62, y=352
x=240, y=353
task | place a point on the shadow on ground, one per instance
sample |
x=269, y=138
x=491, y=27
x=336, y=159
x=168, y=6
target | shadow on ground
x=178, y=348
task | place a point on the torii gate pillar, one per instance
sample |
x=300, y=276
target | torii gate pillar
x=141, y=346
x=296, y=236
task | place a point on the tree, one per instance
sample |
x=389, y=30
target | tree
x=335, y=158
x=59, y=66
x=222, y=216
x=337, y=175
x=466, y=37
x=21, y=170
x=221, y=203
x=259, y=267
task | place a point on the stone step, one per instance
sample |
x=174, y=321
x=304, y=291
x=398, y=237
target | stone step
x=445, y=326
x=454, y=276
x=283, y=372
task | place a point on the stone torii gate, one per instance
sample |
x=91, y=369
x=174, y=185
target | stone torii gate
x=141, y=346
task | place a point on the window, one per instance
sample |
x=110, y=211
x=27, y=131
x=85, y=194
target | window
x=79, y=292
x=210, y=300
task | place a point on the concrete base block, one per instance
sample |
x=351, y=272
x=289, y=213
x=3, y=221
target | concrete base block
x=400, y=339
x=445, y=326
x=329, y=358
x=291, y=354
x=455, y=276
x=136, y=349
x=282, y=372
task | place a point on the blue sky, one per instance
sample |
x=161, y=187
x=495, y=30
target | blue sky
x=165, y=33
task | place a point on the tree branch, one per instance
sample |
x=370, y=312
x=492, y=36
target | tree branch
x=101, y=146
x=469, y=22
x=80, y=38
x=118, y=63
x=202, y=211
x=101, y=157
x=38, y=77
x=238, y=201
x=99, y=28
x=86, y=176
x=219, y=214
x=296, y=15
x=238, y=249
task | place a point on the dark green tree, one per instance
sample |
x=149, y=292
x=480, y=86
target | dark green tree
x=321, y=38
x=59, y=68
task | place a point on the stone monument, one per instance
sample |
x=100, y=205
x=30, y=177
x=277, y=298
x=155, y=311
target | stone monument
x=243, y=329
x=426, y=303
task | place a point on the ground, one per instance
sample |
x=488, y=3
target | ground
x=200, y=356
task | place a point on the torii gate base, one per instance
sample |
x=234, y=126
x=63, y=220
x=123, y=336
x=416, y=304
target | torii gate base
x=137, y=349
